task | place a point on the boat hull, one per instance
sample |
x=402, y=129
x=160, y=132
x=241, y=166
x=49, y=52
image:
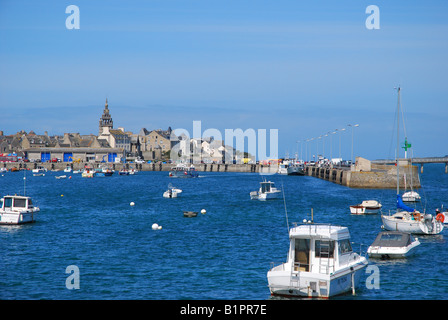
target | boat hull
x=16, y=218
x=364, y=210
x=87, y=174
x=269, y=196
x=388, y=253
x=295, y=171
x=315, y=285
x=175, y=174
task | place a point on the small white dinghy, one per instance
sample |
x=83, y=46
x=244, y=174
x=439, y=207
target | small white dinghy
x=366, y=207
x=392, y=244
x=411, y=196
x=172, y=192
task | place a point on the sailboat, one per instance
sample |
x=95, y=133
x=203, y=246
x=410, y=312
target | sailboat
x=407, y=219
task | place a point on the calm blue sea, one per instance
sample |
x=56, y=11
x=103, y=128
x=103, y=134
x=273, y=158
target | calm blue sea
x=223, y=254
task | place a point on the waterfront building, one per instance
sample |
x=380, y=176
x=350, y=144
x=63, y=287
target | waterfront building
x=156, y=144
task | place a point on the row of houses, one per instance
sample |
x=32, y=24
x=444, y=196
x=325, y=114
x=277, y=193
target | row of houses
x=114, y=145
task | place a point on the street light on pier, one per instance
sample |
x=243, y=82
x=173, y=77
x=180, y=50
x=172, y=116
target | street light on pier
x=352, y=126
x=340, y=130
x=298, y=149
x=331, y=144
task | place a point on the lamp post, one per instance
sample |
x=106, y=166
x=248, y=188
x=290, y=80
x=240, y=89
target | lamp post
x=323, y=144
x=340, y=130
x=298, y=149
x=352, y=126
x=331, y=144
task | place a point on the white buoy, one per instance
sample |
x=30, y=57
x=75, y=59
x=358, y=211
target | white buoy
x=155, y=226
x=203, y=211
x=132, y=204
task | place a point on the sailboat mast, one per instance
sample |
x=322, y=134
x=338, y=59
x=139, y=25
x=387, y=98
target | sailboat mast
x=398, y=142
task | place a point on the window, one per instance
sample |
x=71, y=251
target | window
x=8, y=202
x=345, y=246
x=20, y=203
x=324, y=249
x=301, y=257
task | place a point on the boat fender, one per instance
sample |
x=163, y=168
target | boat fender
x=440, y=217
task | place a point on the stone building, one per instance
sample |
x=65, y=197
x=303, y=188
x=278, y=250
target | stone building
x=156, y=144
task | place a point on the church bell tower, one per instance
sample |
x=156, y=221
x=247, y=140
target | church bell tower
x=105, y=120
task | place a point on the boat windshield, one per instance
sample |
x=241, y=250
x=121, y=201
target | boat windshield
x=8, y=202
x=20, y=203
x=393, y=239
x=345, y=246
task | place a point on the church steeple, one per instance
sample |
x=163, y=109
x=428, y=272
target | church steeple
x=106, y=119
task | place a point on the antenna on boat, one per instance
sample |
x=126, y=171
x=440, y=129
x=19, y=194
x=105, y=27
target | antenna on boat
x=24, y=183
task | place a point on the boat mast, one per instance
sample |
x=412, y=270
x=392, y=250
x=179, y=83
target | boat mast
x=398, y=142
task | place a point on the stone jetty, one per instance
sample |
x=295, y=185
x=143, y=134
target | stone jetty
x=365, y=174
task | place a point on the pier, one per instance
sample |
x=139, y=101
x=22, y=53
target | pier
x=420, y=161
x=368, y=175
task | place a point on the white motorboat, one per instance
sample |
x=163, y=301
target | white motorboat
x=182, y=171
x=172, y=192
x=407, y=219
x=320, y=263
x=267, y=191
x=366, y=207
x=61, y=177
x=39, y=169
x=296, y=169
x=17, y=210
x=283, y=168
x=68, y=169
x=392, y=244
x=411, y=196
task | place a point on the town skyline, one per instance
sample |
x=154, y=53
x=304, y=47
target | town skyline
x=305, y=69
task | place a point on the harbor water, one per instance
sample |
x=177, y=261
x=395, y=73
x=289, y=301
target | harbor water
x=222, y=254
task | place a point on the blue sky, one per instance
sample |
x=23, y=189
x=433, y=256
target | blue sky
x=303, y=67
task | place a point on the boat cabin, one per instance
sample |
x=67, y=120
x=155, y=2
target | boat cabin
x=16, y=203
x=320, y=248
x=266, y=186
